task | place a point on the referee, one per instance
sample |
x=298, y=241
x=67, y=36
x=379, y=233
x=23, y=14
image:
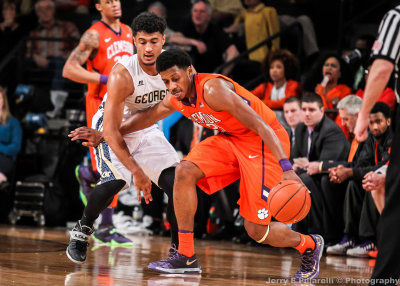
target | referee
x=386, y=53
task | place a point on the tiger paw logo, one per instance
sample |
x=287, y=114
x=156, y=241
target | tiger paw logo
x=262, y=213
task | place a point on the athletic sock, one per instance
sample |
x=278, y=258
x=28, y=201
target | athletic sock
x=86, y=221
x=106, y=216
x=186, y=243
x=306, y=242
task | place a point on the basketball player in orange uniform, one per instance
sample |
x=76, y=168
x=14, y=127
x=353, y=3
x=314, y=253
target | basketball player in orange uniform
x=101, y=47
x=252, y=145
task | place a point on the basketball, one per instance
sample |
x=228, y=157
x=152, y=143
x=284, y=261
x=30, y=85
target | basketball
x=289, y=201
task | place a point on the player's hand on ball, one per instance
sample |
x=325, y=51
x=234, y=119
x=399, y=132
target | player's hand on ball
x=291, y=175
x=93, y=136
x=142, y=183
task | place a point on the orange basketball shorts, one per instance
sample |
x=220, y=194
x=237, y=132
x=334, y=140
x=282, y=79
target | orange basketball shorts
x=224, y=159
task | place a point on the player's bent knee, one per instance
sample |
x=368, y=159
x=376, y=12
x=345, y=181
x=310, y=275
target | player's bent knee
x=257, y=232
x=187, y=171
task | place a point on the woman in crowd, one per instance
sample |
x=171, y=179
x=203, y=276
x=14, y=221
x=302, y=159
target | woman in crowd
x=280, y=69
x=333, y=86
x=10, y=140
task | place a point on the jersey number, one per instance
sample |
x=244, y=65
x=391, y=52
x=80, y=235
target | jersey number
x=119, y=58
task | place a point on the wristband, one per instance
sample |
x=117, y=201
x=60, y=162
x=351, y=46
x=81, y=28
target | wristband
x=103, y=78
x=285, y=165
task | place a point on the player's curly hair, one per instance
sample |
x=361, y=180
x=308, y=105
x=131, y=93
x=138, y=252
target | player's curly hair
x=173, y=57
x=149, y=23
x=290, y=63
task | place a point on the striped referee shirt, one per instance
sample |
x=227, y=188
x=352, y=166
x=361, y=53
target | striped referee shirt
x=387, y=44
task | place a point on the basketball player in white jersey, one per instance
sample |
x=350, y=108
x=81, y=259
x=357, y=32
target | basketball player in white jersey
x=133, y=85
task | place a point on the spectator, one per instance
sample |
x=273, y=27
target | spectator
x=319, y=139
x=10, y=30
x=374, y=182
x=280, y=70
x=173, y=38
x=10, y=34
x=218, y=43
x=290, y=11
x=10, y=140
x=293, y=116
x=79, y=6
x=358, y=57
x=50, y=56
x=387, y=96
x=260, y=22
x=333, y=87
x=361, y=214
x=224, y=12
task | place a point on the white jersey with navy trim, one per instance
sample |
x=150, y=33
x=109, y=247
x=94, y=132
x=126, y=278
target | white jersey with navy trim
x=149, y=89
x=148, y=147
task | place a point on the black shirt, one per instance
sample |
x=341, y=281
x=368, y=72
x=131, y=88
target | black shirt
x=217, y=42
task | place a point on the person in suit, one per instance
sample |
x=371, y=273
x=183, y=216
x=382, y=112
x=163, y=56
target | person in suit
x=293, y=116
x=319, y=139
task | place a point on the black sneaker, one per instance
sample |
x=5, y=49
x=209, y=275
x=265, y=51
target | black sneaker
x=78, y=243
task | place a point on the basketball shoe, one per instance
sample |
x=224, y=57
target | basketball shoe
x=171, y=252
x=309, y=267
x=108, y=235
x=341, y=247
x=78, y=243
x=177, y=264
x=361, y=250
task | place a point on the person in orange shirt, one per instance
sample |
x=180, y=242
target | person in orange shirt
x=101, y=47
x=332, y=89
x=280, y=69
x=252, y=145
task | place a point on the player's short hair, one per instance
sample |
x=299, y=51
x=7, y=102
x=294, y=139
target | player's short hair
x=173, y=57
x=351, y=102
x=312, y=97
x=382, y=108
x=149, y=23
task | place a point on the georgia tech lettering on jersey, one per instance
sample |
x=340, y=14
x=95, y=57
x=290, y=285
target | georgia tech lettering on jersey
x=119, y=47
x=152, y=96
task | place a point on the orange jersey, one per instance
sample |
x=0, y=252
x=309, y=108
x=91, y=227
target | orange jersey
x=112, y=47
x=237, y=152
x=222, y=121
x=340, y=91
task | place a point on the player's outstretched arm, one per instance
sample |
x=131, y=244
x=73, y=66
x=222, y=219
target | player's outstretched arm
x=228, y=100
x=87, y=47
x=148, y=117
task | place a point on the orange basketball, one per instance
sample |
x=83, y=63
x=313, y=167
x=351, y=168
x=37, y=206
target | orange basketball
x=289, y=201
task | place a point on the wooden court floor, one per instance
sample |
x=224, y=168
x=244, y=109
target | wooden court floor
x=36, y=256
